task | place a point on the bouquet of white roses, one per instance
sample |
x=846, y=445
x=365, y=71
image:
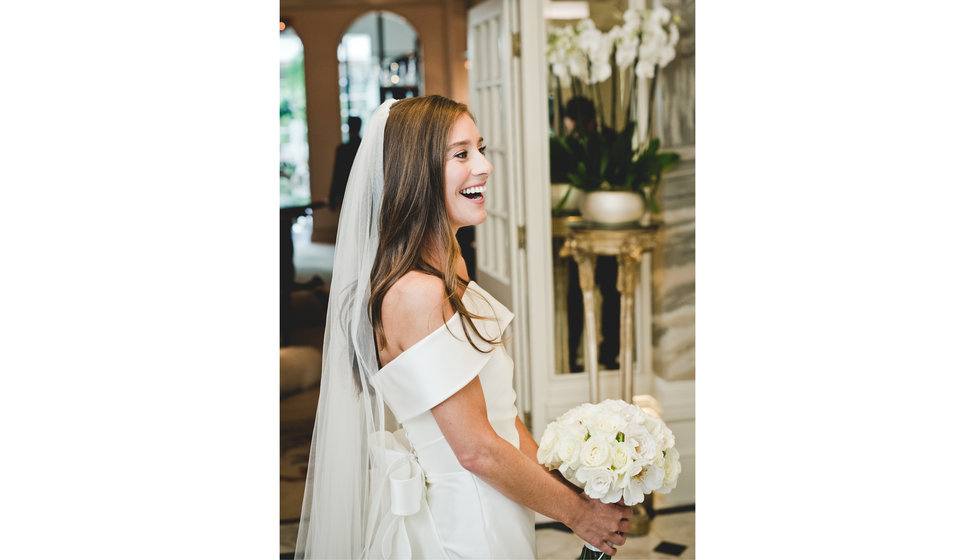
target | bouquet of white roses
x=612, y=450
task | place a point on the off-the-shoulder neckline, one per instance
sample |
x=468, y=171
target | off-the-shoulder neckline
x=455, y=316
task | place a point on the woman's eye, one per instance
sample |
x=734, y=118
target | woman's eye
x=461, y=155
x=483, y=149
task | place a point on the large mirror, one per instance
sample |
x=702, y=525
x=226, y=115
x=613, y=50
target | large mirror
x=569, y=108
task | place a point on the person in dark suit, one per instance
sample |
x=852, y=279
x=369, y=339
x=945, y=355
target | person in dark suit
x=342, y=161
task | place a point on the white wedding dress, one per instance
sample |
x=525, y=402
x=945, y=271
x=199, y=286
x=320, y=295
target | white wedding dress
x=435, y=508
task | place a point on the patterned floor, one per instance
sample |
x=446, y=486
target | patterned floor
x=671, y=533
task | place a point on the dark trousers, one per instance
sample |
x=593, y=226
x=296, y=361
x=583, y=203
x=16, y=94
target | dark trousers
x=606, y=272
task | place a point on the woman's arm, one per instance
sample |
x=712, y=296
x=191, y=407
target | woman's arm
x=529, y=447
x=414, y=307
x=463, y=420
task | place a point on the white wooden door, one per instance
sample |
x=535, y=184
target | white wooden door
x=508, y=98
x=500, y=257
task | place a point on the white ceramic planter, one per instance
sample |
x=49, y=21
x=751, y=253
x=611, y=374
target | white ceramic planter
x=558, y=191
x=613, y=207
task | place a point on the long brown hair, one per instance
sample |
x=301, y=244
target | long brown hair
x=413, y=220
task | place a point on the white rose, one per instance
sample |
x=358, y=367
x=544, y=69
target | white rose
x=634, y=414
x=616, y=405
x=628, y=474
x=609, y=422
x=570, y=475
x=633, y=491
x=621, y=455
x=589, y=412
x=658, y=431
x=606, y=493
x=577, y=430
x=673, y=469
x=546, y=451
x=613, y=496
x=644, y=445
x=568, y=450
x=651, y=478
x=602, y=435
x=596, y=454
x=598, y=482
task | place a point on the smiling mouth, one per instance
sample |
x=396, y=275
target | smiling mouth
x=474, y=193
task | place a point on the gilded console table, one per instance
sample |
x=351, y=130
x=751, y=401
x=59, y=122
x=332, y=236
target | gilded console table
x=584, y=243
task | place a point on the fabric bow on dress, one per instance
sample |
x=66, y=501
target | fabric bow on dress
x=407, y=516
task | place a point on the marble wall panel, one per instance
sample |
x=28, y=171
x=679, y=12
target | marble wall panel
x=673, y=276
x=673, y=263
x=676, y=82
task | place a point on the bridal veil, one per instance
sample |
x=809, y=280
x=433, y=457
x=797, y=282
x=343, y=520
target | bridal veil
x=345, y=481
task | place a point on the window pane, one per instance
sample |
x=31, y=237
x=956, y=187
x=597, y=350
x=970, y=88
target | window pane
x=294, y=152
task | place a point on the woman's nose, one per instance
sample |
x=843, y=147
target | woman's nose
x=483, y=166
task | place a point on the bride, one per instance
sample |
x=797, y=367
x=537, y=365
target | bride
x=412, y=341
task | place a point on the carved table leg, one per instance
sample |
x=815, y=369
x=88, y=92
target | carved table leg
x=560, y=281
x=586, y=278
x=629, y=264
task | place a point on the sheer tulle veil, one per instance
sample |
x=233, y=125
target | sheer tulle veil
x=344, y=490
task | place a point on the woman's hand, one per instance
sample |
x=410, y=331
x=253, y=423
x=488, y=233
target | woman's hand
x=596, y=523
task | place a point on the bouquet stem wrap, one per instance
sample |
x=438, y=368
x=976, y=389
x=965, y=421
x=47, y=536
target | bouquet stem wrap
x=590, y=552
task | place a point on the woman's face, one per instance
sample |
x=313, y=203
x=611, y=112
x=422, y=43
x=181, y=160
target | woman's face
x=466, y=175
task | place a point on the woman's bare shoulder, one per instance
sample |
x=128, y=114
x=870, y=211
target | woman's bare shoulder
x=415, y=306
x=416, y=291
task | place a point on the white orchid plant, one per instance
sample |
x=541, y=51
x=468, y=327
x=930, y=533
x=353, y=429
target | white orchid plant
x=581, y=59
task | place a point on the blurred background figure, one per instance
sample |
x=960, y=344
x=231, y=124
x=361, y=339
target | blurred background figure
x=343, y=161
x=579, y=116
